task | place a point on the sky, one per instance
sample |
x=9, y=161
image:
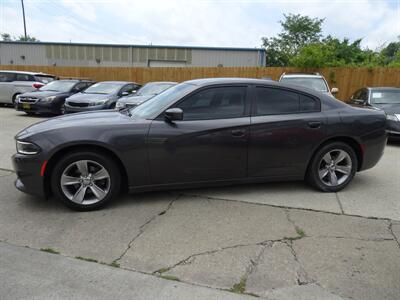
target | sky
x=214, y=23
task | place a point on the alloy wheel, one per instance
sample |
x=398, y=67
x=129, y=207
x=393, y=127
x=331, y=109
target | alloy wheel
x=335, y=167
x=85, y=182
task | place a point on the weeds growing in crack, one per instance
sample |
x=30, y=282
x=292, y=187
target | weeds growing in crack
x=50, y=250
x=240, y=287
x=87, y=259
x=170, y=277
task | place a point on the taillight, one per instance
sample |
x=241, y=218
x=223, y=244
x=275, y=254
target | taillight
x=37, y=85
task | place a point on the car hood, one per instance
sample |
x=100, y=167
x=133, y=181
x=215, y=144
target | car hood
x=135, y=99
x=389, y=108
x=85, y=98
x=105, y=118
x=42, y=94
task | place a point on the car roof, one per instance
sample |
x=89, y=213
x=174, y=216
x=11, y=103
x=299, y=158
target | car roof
x=265, y=82
x=162, y=82
x=118, y=82
x=26, y=72
x=302, y=75
x=383, y=88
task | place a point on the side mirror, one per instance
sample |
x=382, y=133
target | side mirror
x=335, y=90
x=173, y=114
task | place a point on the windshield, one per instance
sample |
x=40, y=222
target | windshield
x=158, y=103
x=58, y=86
x=104, y=88
x=153, y=88
x=317, y=84
x=385, y=97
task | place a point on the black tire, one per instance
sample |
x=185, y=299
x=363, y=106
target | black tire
x=29, y=113
x=14, y=97
x=114, y=184
x=318, y=163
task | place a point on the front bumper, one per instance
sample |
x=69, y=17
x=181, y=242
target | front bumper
x=29, y=179
x=393, y=129
x=37, y=107
x=74, y=109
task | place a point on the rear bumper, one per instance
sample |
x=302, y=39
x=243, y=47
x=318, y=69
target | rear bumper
x=373, y=147
x=29, y=179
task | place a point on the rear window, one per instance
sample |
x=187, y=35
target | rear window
x=44, y=79
x=272, y=101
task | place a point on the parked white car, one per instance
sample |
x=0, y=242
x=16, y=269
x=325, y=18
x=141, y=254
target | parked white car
x=13, y=83
x=313, y=81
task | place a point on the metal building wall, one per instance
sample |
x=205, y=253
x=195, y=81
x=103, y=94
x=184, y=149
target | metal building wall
x=53, y=54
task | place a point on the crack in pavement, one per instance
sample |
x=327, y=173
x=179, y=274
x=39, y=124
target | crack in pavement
x=142, y=229
x=340, y=203
x=302, y=277
x=287, y=207
x=390, y=227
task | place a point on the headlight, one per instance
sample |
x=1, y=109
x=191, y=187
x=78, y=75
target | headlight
x=100, y=102
x=393, y=117
x=27, y=148
x=119, y=105
x=48, y=99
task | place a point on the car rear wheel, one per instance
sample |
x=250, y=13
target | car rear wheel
x=333, y=167
x=85, y=180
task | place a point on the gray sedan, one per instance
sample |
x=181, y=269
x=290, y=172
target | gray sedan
x=102, y=95
x=149, y=90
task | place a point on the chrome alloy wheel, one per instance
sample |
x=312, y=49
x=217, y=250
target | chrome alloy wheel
x=85, y=182
x=335, y=167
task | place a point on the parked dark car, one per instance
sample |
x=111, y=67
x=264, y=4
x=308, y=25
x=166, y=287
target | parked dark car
x=200, y=133
x=383, y=98
x=51, y=97
x=101, y=95
x=146, y=92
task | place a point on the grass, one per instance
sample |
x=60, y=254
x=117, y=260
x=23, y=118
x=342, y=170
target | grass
x=300, y=232
x=170, y=277
x=50, y=250
x=114, y=264
x=87, y=259
x=240, y=287
x=162, y=270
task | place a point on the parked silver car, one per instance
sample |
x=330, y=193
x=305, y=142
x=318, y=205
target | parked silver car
x=314, y=81
x=13, y=83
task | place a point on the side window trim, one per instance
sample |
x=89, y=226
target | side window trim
x=254, y=101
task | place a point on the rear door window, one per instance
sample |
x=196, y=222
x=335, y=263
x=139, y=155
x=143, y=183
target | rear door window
x=273, y=101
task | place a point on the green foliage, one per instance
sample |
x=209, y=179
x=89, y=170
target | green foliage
x=300, y=44
x=239, y=287
x=6, y=37
x=297, y=31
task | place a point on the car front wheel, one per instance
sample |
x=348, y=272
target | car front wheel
x=332, y=167
x=85, y=180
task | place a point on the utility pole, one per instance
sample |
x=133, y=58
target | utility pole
x=23, y=14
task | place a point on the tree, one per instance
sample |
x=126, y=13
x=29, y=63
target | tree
x=6, y=37
x=332, y=52
x=297, y=31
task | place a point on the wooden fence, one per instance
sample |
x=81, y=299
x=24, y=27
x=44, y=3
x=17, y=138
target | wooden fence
x=346, y=79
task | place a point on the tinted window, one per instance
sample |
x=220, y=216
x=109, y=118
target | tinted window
x=24, y=77
x=363, y=95
x=270, y=101
x=308, y=104
x=314, y=83
x=7, y=77
x=44, y=78
x=80, y=86
x=129, y=88
x=215, y=103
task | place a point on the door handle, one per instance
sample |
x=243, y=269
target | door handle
x=314, y=125
x=238, y=132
